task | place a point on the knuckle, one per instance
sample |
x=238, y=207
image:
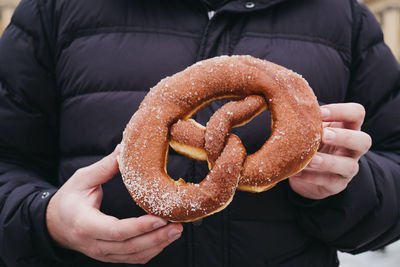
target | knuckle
x=348, y=139
x=79, y=232
x=102, y=166
x=368, y=142
x=328, y=186
x=332, y=179
x=81, y=172
x=324, y=191
x=142, y=227
x=116, y=234
x=162, y=246
x=359, y=111
x=339, y=187
x=354, y=167
x=328, y=162
x=160, y=237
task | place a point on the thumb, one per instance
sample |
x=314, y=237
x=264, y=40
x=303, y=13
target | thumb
x=99, y=172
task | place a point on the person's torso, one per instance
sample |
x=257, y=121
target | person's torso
x=110, y=53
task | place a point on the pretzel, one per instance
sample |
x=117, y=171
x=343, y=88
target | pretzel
x=164, y=118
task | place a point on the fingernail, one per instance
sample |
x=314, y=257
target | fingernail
x=325, y=113
x=173, y=234
x=159, y=224
x=317, y=160
x=329, y=135
x=179, y=225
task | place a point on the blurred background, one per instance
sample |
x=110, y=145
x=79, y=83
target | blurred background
x=6, y=10
x=387, y=13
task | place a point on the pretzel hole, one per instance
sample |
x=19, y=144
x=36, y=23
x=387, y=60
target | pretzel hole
x=178, y=169
x=255, y=133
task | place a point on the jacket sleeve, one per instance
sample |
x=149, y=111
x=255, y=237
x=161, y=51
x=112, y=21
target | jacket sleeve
x=365, y=216
x=28, y=137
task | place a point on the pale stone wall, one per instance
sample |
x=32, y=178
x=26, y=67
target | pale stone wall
x=6, y=9
x=388, y=14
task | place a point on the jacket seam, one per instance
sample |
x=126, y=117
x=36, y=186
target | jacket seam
x=49, y=37
x=356, y=26
x=305, y=38
x=69, y=96
x=376, y=39
x=369, y=47
x=34, y=39
x=356, y=58
x=68, y=37
x=294, y=36
x=355, y=37
x=19, y=27
x=203, y=40
x=17, y=99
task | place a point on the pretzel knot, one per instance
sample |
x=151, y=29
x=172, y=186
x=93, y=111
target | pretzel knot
x=164, y=118
x=207, y=143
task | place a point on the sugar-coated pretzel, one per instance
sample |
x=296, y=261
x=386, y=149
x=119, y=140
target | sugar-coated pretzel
x=296, y=133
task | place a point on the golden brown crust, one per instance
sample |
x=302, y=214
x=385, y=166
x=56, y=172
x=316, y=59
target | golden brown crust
x=187, y=138
x=296, y=133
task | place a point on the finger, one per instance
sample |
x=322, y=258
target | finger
x=357, y=141
x=144, y=242
x=137, y=258
x=105, y=227
x=352, y=114
x=98, y=173
x=343, y=166
x=318, y=185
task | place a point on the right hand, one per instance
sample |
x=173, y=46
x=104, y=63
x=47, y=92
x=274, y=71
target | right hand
x=75, y=222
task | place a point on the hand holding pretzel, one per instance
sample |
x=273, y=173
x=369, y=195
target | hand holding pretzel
x=336, y=163
x=86, y=229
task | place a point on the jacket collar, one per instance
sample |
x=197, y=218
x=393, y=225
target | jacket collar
x=243, y=6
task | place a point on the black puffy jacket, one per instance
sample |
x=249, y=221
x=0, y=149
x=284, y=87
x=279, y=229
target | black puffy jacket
x=73, y=72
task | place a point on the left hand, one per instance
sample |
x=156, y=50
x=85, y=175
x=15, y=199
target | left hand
x=336, y=162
